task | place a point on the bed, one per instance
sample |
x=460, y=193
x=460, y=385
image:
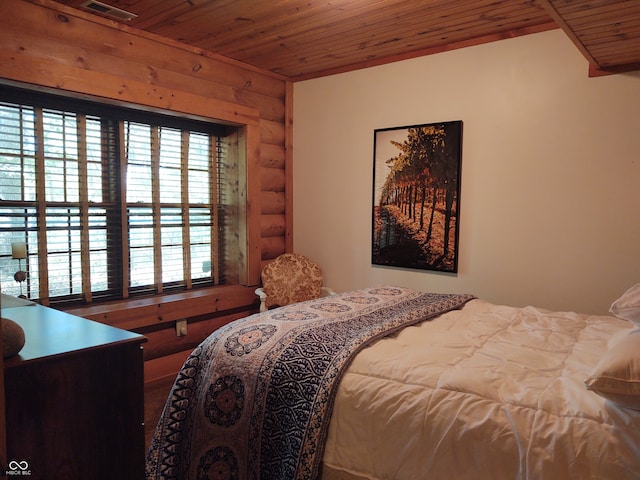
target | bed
x=392, y=383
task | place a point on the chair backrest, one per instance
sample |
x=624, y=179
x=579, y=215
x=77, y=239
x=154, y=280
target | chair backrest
x=291, y=278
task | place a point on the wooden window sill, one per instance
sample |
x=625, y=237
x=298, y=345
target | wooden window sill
x=151, y=311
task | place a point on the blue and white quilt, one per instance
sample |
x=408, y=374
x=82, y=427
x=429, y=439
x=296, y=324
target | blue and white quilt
x=253, y=401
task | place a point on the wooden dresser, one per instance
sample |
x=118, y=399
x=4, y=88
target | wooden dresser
x=74, y=398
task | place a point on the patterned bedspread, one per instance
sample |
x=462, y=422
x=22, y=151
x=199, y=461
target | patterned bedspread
x=253, y=401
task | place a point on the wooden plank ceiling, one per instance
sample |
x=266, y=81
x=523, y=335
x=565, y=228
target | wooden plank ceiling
x=302, y=39
x=607, y=32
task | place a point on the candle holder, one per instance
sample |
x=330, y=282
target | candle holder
x=19, y=252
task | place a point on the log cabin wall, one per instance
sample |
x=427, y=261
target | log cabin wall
x=51, y=47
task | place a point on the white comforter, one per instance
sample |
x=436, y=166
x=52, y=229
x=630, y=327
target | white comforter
x=486, y=392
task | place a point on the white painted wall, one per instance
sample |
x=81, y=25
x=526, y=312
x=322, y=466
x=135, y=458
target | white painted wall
x=550, y=201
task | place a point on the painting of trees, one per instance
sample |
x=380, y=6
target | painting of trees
x=416, y=196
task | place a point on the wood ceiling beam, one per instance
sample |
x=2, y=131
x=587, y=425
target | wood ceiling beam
x=562, y=23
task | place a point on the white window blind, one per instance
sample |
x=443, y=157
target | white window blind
x=108, y=206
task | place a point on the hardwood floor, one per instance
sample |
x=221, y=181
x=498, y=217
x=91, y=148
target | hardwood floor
x=155, y=396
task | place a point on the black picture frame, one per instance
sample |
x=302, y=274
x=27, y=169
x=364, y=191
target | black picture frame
x=416, y=196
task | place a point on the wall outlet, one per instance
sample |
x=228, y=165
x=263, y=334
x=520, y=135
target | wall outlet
x=181, y=328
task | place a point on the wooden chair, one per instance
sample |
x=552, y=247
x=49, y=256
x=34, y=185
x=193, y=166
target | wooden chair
x=290, y=278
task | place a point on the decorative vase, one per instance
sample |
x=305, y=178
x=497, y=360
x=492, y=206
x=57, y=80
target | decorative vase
x=12, y=337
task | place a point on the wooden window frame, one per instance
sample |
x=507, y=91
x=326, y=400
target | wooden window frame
x=244, y=142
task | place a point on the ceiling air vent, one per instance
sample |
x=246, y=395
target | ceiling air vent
x=108, y=10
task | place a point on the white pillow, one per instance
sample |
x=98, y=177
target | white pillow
x=627, y=306
x=617, y=375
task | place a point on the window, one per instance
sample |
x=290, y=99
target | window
x=110, y=202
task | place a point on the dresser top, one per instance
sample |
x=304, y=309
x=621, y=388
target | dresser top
x=49, y=332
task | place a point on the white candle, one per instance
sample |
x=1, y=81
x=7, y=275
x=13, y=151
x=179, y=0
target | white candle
x=18, y=250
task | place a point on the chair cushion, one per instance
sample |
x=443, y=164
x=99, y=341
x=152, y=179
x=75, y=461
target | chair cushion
x=291, y=278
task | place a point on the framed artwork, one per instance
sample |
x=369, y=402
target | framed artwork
x=416, y=196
